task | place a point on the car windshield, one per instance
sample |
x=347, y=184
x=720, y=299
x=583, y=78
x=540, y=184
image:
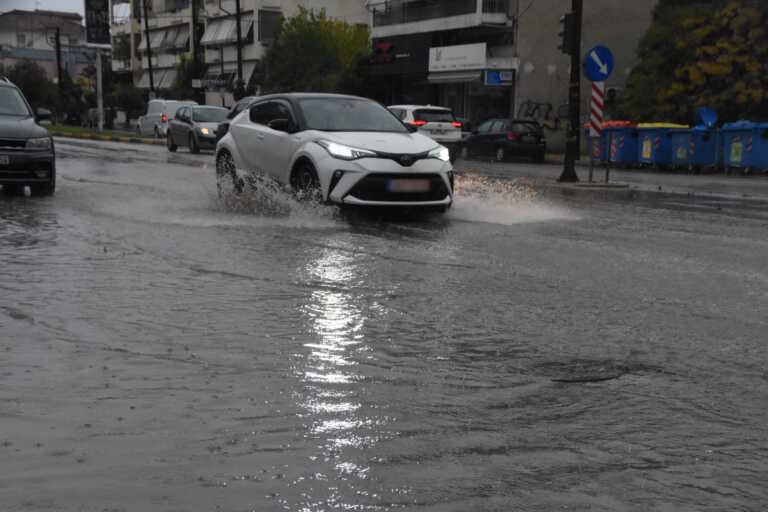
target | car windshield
x=348, y=115
x=12, y=103
x=209, y=114
x=433, y=115
x=518, y=126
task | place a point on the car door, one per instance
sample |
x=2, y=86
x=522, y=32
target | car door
x=249, y=136
x=479, y=142
x=279, y=146
x=176, y=128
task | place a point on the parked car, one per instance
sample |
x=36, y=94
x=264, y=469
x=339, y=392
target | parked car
x=195, y=127
x=238, y=107
x=503, y=138
x=438, y=123
x=159, y=113
x=27, y=155
x=345, y=150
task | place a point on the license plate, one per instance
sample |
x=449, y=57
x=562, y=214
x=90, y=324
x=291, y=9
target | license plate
x=438, y=132
x=408, y=186
x=5, y=160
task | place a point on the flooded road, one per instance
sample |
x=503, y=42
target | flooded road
x=163, y=350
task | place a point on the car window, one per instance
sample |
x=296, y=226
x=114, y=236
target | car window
x=485, y=127
x=12, y=102
x=263, y=113
x=180, y=113
x=348, y=114
x=208, y=114
x=525, y=127
x=433, y=115
x=498, y=126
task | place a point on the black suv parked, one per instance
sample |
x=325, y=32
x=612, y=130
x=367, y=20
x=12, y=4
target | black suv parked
x=503, y=138
x=27, y=156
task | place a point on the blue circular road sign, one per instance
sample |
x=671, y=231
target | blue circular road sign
x=599, y=63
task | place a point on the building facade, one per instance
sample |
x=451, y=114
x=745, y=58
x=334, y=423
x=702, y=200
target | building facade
x=488, y=58
x=29, y=35
x=210, y=32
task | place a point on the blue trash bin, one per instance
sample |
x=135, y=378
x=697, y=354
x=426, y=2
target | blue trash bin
x=621, y=142
x=682, y=147
x=654, y=145
x=594, y=146
x=761, y=147
x=695, y=148
x=742, y=143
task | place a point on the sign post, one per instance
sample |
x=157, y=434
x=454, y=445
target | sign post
x=97, y=36
x=598, y=64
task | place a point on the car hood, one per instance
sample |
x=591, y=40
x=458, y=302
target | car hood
x=20, y=128
x=407, y=143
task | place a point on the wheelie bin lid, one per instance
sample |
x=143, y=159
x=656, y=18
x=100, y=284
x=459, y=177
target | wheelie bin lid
x=740, y=125
x=618, y=124
x=661, y=125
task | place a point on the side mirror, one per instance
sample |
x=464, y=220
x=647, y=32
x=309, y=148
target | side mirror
x=411, y=128
x=282, y=125
x=43, y=114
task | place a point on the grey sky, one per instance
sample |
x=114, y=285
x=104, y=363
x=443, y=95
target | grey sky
x=49, y=5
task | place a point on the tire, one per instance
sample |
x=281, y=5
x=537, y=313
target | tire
x=13, y=190
x=138, y=130
x=156, y=133
x=304, y=182
x=43, y=189
x=500, y=154
x=225, y=170
x=193, y=147
x=171, y=146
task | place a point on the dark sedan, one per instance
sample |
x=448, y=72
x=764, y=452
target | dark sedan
x=195, y=127
x=504, y=138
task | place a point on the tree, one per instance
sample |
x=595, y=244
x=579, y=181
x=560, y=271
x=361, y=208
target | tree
x=34, y=83
x=315, y=53
x=702, y=53
x=185, y=71
x=130, y=99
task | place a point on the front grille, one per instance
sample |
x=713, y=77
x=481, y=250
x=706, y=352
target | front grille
x=374, y=188
x=404, y=159
x=12, y=143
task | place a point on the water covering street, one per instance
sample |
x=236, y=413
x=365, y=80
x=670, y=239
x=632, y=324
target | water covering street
x=162, y=349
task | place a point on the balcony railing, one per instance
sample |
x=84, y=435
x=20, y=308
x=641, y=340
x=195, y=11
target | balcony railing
x=394, y=12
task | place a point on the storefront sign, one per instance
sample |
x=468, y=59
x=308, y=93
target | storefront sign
x=457, y=58
x=499, y=78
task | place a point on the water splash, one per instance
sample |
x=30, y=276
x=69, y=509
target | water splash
x=502, y=201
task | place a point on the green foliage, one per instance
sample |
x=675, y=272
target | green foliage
x=33, y=82
x=129, y=98
x=702, y=53
x=185, y=70
x=315, y=53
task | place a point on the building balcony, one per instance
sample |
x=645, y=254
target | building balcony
x=399, y=17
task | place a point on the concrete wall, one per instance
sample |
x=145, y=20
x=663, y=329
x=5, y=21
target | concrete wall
x=544, y=71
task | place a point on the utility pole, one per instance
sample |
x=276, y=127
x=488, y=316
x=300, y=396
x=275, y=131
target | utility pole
x=149, y=47
x=195, y=42
x=58, y=57
x=572, y=45
x=240, y=85
x=99, y=91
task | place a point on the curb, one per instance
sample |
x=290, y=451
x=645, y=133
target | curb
x=108, y=138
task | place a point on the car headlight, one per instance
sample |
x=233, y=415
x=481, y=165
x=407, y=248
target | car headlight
x=205, y=131
x=441, y=153
x=343, y=152
x=40, y=144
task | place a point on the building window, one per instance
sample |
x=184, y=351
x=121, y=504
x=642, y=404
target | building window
x=269, y=24
x=73, y=41
x=21, y=39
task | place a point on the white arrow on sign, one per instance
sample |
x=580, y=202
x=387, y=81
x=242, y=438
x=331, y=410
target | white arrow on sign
x=603, y=66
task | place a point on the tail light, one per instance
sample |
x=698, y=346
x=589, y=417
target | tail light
x=456, y=124
x=511, y=136
x=418, y=122
x=164, y=119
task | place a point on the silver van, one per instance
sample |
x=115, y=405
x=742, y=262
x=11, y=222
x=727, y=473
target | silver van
x=159, y=113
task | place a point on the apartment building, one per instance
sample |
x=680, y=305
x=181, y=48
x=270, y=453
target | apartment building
x=29, y=35
x=176, y=29
x=488, y=58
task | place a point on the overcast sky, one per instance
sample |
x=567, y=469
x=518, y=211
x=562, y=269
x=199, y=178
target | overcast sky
x=49, y=5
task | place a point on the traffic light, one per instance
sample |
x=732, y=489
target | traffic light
x=567, y=34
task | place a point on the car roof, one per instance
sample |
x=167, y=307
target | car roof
x=303, y=95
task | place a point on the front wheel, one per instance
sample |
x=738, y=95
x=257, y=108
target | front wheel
x=43, y=189
x=305, y=184
x=171, y=146
x=193, y=147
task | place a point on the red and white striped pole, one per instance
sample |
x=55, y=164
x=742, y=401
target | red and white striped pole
x=596, y=121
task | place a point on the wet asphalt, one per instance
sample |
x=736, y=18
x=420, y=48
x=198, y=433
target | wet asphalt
x=164, y=349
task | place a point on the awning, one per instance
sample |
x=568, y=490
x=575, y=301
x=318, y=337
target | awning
x=156, y=38
x=170, y=37
x=221, y=31
x=216, y=77
x=182, y=37
x=168, y=77
x=159, y=76
x=454, y=77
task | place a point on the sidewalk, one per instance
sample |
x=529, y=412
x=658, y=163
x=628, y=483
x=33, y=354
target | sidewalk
x=77, y=132
x=634, y=181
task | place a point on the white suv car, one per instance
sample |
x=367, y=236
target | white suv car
x=437, y=123
x=342, y=149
